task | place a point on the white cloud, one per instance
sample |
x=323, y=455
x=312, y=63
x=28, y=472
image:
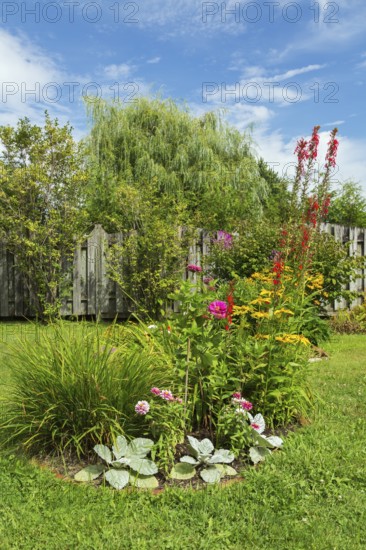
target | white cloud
x=279, y=153
x=118, y=71
x=153, y=60
x=30, y=81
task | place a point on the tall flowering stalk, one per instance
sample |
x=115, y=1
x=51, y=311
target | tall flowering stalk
x=309, y=211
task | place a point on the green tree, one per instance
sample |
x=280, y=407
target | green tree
x=348, y=206
x=203, y=163
x=41, y=205
x=277, y=201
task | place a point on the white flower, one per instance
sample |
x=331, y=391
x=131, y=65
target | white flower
x=151, y=327
x=257, y=422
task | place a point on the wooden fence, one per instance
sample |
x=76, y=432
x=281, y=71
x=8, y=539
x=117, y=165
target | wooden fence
x=93, y=293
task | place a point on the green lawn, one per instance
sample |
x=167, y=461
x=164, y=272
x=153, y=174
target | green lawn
x=312, y=495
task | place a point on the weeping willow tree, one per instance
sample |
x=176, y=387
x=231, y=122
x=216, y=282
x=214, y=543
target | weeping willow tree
x=201, y=163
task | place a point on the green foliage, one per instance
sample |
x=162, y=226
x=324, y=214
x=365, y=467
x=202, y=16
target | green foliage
x=124, y=457
x=41, y=206
x=203, y=457
x=348, y=206
x=148, y=264
x=249, y=252
x=352, y=321
x=201, y=162
x=333, y=261
x=167, y=424
x=72, y=388
x=277, y=205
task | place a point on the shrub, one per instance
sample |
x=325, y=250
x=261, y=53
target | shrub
x=349, y=321
x=73, y=389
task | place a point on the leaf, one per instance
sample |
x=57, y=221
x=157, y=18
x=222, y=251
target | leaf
x=222, y=456
x=90, y=472
x=275, y=440
x=194, y=445
x=120, y=448
x=139, y=447
x=258, y=454
x=144, y=482
x=182, y=471
x=143, y=466
x=226, y=470
x=260, y=440
x=189, y=460
x=205, y=447
x=104, y=453
x=117, y=478
x=211, y=474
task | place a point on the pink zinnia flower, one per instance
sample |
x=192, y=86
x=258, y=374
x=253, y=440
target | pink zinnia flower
x=236, y=395
x=142, y=407
x=194, y=268
x=218, y=309
x=155, y=391
x=247, y=405
x=167, y=395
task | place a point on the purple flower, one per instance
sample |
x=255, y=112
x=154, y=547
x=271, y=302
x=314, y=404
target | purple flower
x=142, y=407
x=224, y=239
x=194, y=268
x=207, y=279
x=218, y=309
x=155, y=391
x=167, y=395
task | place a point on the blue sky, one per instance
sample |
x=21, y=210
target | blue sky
x=280, y=66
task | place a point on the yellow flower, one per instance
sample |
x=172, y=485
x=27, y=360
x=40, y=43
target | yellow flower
x=266, y=292
x=260, y=315
x=293, y=339
x=262, y=336
x=260, y=301
x=241, y=310
x=283, y=310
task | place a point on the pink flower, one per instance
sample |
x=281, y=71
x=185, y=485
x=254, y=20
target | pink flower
x=247, y=405
x=167, y=395
x=236, y=395
x=218, y=309
x=155, y=391
x=194, y=268
x=142, y=407
x=179, y=400
x=207, y=279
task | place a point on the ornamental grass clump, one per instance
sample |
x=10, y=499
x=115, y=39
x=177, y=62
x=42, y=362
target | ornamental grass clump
x=73, y=388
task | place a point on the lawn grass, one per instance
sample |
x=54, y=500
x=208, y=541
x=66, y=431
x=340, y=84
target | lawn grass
x=311, y=495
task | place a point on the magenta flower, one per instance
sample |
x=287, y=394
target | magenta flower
x=247, y=405
x=155, y=391
x=218, y=309
x=207, y=279
x=167, y=395
x=179, y=400
x=194, y=268
x=142, y=407
x=236, y=395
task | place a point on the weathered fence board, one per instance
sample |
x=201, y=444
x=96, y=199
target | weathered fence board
x=93, y=293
